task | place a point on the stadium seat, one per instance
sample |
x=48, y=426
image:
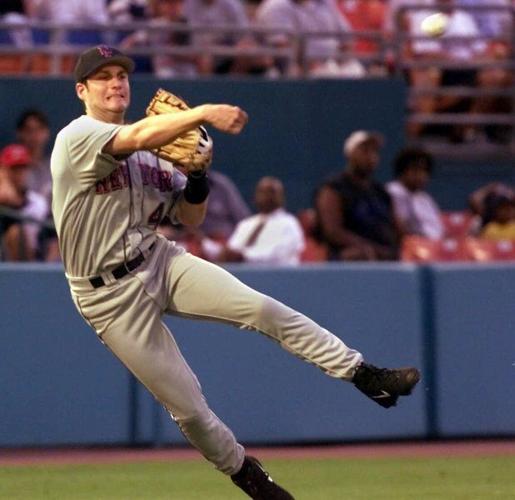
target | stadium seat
x=458, y=224
x=483, y=250
x=419, y=249
x=9, y=64
x=314, y=250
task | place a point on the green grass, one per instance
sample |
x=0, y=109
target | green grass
x=346, y=479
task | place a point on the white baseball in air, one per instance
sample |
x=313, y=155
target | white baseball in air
x=435, y=24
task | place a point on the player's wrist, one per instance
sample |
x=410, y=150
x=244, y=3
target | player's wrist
x=204, y=112
x=197, y=187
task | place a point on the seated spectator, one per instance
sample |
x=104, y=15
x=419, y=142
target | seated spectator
x=271, y=236
x=453, y=46
x=73, y=12
x=13, y=12
x=364, y=15
x=163, y=13
x=484, y=200
x=19, y=238
x=415, y=209
x=355, y=213
x=225, y=209
x=502, y=224
x=60, y=13
x=127, y=11
x=491, y=23
x=220, y=13
x=323, y=55
x=69, y=11
x=33, y=132
x=491, y=79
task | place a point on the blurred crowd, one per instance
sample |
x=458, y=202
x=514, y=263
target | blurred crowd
x=289, y=38
x=354, y=217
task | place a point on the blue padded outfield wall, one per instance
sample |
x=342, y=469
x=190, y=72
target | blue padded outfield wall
x=295, y=131
x=60, y=386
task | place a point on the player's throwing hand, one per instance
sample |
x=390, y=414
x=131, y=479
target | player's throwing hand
x=224, y=117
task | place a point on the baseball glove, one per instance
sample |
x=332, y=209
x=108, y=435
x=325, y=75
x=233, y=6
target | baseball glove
x=191, y=151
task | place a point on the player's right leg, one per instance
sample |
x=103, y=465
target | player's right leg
x=128, y=322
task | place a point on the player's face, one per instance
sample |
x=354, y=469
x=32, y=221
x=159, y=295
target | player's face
x=106, y=93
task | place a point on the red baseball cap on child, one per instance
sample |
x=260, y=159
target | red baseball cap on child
x=14, y=155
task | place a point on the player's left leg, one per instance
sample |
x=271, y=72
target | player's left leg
x=203, y=290
x=206, y=291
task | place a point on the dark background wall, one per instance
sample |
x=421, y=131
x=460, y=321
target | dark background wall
x=295, y=132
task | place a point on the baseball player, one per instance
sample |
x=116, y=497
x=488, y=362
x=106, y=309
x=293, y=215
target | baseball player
x=109, y=194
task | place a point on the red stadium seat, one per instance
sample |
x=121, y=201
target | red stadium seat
x=12, y=64
x=483, y=250
x=419, y=249
x=458, y=224
x=314, y=251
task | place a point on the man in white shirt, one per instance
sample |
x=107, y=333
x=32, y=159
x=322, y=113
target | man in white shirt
x=272, y=236
x=415, y=209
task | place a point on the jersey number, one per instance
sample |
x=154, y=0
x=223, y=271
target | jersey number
x=156, y=216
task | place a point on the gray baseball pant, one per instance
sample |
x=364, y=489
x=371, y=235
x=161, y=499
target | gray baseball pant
x=126, y=314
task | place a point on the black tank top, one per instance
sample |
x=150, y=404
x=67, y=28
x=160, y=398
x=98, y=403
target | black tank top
x=366, y=211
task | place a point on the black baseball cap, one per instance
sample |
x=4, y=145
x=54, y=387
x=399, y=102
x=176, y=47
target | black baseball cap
x=92, y=59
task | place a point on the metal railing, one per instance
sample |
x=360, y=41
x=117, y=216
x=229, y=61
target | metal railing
x=51, y=41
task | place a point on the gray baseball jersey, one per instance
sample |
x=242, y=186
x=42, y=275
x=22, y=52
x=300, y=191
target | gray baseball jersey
x=106, y=212
x=114, y=206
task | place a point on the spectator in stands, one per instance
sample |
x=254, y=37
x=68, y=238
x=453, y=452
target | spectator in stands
x=69, y=11
x=219, y=14
x=19, y=238
x=271, y=236
x=79, y=12
x=14, y=11
x=491, y=23
x=450, y=46
x=163, y=13
x=12, y=7
x=364, y=15
x=127, y=11
x=355, y=213
x=415, y=209
x=484, y=200
x=493, y=79
x=453, y=46
x=502, y=224
x=33, y=132
x=226, y=207
x=321, y=55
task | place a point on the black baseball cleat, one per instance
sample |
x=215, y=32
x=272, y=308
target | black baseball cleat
x=257, y=483
x=384, y=386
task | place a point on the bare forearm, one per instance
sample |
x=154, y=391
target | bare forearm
x=191, y=214
x=156, y=131
x=341, y=237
